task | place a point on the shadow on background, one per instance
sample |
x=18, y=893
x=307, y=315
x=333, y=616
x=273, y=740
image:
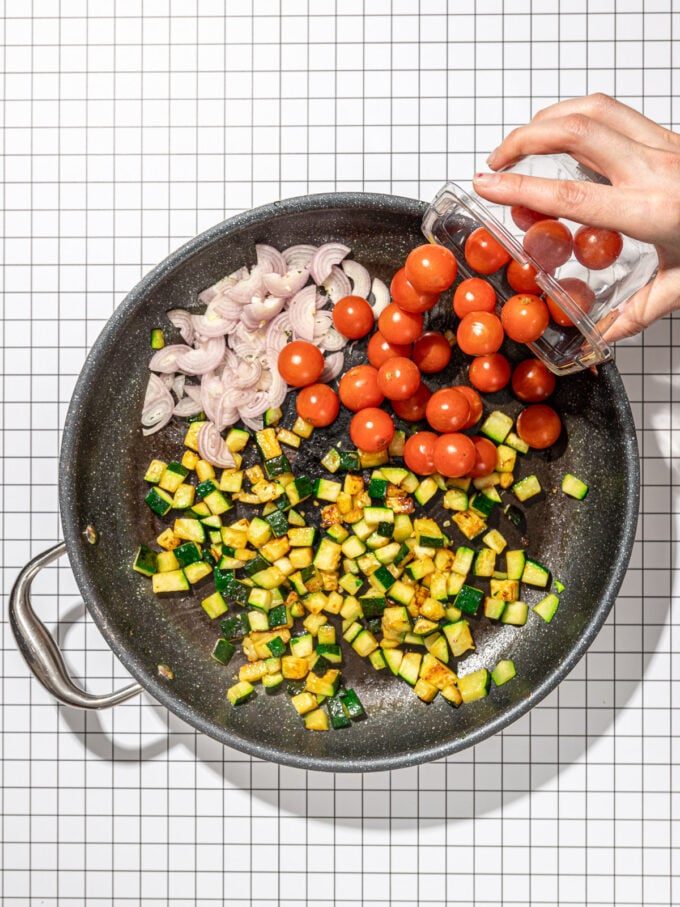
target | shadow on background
x=88, y=727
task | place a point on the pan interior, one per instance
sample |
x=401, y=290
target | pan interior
x=586, y=545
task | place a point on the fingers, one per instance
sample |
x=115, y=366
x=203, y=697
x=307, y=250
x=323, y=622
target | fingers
x=593, y=144
x=618, y=116
x=648, y=305
x=627, y=210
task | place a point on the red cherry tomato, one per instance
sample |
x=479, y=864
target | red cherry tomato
x=532, y=381
x=359, y=388
x=447, y=409
x=399, y=326
x=485, y=457
x=380, y=350
x=474, y=295
x=580, y=292
x=300, y=363
x=413, y=409
x=398, y=378
x=431, y=268
x=432, y=352
x=353, y=317
x=454, y=455
x=480, y=333
x=419, y=453
x=475, y=401
x=549, y=243
x=407, y=297
x=525, y=317
x=489, y=373
x=596, y=248
x=539, y=426
x=522, y=278
x=526, y=217
x=318, y=404
x=371, y=430
x=483, y=253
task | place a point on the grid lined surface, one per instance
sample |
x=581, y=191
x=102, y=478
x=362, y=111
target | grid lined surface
x=126, y=134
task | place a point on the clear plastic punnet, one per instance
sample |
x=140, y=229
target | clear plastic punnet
x=586, y=301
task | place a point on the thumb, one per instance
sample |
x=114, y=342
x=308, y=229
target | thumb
x=649, y=304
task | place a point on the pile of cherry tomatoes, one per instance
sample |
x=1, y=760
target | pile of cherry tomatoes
x=399, y=353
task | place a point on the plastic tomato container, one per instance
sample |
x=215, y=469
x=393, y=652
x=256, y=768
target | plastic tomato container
x=588, y=312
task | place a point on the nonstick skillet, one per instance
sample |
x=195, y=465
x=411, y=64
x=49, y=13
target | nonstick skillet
x=104, y=518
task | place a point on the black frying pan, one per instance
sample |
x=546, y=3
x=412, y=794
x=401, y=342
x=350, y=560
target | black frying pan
x=103, y=456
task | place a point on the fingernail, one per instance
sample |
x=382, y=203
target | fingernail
x=491, y=158
x=487, y=179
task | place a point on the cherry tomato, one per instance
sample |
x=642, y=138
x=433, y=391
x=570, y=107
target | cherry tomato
x=580, y=292
x=398, y=378
x=483, y=253
x=399, y=326
x=485, y=457
x=353, y=317
x=525, y=317
x=522, y=278
x=371, y=430
x=489, y=373
x=413, y=409
x=380, y=350
x=539, y=426
x=447, y=409
x=475, y=401
x=596, y=248
x=454, y=455
x=549, y=243
x=480, y=333
x=474, y=295
x=407, y=297
x=419, y=453
x=532, y=381
x=432, y=352
x=359, y=388
x=431, y=268
x=300, y=363
x=526, y=217
x=318, y=404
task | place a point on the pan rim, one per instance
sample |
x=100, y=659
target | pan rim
x=152, y=683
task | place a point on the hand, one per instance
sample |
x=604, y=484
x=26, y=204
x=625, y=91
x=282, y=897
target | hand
x=641, y=160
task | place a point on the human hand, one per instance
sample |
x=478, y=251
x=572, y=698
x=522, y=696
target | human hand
x=641, y=160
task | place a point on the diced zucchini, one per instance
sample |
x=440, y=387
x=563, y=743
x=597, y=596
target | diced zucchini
x=273, y=416
x=368, y=460
x=158, y=500
x=505, y=589
x=240, y=692
x=173, y=477
x=526, y=488
x=350, y=583
x=482, y=505
x=547, y=607
x=503, y=672
x=331, y=460
x=496, y=426
x=299, y=490
x=424, y=690
x=559, y=586
x=574, y=487
x=191, y=437
x=154, y=471
x=395, y=620
x=469, y=599
x=475, y=685
x=352, y=705
x=425, y=491
x=145, y=561
x=515, y=561
x=469, y=523
x=506, y=458
x=516, y=443
x=327, y=490
x=455, y=499
x=170, y=581
x=184, y=497
x=485, y=562
x=278, y=522
x=409, y=668
x=223, y=651
x=436, y=645
x=394, y=474
x=493, y=608
x=237, y=439
x=452, y=695
x=377, y=659
x=535, y=574
x=495, y=541
x=401, y=593
x=515, y=613
x=294, y=668
x=376, y=515
x=214, y=605
x=204, y=471
x=364, y=643
x=302, y=428
x=267, y=444
x=403, y=527
x=459, y=637
x=462, y=563
x=454, y=584
x=196, y=572
x=167, y=561
x=372, y=605
x=328, y=555
x=393, y=657
x=417, y=570
x=396, y=448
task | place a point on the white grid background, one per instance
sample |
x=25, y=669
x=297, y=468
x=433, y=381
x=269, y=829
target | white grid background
x=130, y=126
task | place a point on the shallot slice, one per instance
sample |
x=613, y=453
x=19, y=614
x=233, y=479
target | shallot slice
x=270, y=260
x=212, y=447
x=245, y=289
x=337, y=284
x=181, y=319
x=301, y=312
x=286, y=284
x=187, y=407
x=165, y=360
x=327, y=255
x=158, y=406
x=332, y=367
x=298, y=256
x=381, y=295
x=361, y=279
x=204, y=359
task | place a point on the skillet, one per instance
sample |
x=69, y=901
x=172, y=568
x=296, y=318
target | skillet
x=103, y=457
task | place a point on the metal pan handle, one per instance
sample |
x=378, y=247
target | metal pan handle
x=41, y=652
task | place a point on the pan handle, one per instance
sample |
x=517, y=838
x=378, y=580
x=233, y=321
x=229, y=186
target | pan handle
x=39, y=649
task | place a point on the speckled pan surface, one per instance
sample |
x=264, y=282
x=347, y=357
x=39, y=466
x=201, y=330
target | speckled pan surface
x=586, y=544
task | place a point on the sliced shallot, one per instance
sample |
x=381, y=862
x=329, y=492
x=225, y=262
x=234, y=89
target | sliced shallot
x=286, y=284
x=327, y=255
x=361, y=279
x=212, y=448
x=186, y=407
x=181, y=319
x=381, y=295
x=332, y=367
x=301, y=311
x=204, y=359
x=165, y=360
x=264, y=309
x=270, y=260
x=337, y=284
x=298, y=256
x=245, y=289
x=158, y=406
